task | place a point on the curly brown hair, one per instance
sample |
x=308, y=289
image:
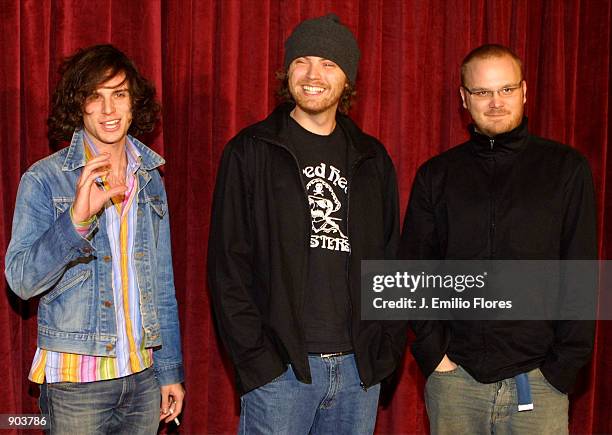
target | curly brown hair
x=346, y=99
x=85, y=70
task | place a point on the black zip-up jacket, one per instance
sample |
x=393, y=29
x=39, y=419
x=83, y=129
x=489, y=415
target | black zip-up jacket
x=259, y=248
x=513, y=196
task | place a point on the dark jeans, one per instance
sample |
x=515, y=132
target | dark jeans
x=128, y=405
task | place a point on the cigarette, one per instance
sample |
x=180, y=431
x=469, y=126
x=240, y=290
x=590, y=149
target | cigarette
x=176, y=421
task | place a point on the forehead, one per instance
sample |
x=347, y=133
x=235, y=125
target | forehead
x=117, y=81
x=492, y=71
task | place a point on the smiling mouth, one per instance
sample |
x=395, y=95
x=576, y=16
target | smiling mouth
x=110, y=125
x=313, y=90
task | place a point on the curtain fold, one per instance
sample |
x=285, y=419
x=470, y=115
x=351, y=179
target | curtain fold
x=213, y=64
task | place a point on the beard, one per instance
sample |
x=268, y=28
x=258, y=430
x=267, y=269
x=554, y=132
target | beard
x=493, y=127
x=315, y=104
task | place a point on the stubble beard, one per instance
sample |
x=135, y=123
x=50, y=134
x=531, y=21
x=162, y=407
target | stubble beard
x=493, y=128
x=314, y=106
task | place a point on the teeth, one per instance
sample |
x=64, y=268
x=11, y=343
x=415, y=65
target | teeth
x=313, y=89
x=111, y=123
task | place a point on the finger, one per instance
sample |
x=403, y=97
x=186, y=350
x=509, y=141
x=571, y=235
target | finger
x=96, y=162
x=102, y=197
x=174, y=409
x=165, y=405
x=99, y=157
x=89, y=169
x=117, y=190
x=84, y=188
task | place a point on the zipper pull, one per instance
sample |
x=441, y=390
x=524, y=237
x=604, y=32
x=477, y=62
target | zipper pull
x=492, y=141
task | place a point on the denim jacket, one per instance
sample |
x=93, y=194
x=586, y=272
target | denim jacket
x=47, y=256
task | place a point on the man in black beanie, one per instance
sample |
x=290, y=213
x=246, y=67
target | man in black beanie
x=301, y=198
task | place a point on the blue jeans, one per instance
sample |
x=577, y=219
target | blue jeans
x=128, y=405
x=457, y=404
x=333, y=403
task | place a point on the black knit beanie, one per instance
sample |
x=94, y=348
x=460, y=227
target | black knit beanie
x=324, y=37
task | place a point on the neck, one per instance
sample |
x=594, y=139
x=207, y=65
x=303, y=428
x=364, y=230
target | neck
x=322, y=123
x=118, y=157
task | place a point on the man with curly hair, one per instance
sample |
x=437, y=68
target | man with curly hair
x=301, y=198
x=91, y=237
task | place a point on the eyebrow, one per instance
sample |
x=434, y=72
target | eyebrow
x=118, y=88
x=507, y=85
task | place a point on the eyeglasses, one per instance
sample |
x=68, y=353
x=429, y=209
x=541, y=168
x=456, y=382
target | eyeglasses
x=486, y=94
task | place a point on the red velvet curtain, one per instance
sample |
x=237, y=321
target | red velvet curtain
x=213, y=63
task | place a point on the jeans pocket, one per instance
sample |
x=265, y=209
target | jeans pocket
x=281, y=376
x=445, y=372
x=548, y=384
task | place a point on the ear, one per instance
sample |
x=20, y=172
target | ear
x=524, y=85
x=464, y=96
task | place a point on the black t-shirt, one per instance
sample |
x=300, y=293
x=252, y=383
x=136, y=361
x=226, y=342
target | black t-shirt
x=323, y=161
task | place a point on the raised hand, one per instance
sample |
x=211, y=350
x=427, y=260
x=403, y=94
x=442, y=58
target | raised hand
x=90, y=198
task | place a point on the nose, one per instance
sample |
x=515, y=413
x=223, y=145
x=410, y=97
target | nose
x=313, y=71
x=496, y=101
x=108, y=106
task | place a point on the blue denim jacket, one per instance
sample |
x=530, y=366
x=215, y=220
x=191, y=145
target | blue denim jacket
x=47, y=256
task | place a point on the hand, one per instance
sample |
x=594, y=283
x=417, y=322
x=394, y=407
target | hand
x=171, y=402
x=89, y=198
x=446, y=365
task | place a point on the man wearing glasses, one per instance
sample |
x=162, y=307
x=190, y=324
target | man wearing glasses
x=504, y=194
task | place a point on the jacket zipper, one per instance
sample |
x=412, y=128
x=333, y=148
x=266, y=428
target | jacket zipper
x=307, y=238
x=348, y=261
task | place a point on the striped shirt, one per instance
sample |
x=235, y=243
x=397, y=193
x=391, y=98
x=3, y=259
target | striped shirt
x=131, y=355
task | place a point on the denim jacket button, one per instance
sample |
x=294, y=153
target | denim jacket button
x=107, y=258
x=139, y=254
x=108, y=304
x=109, y=346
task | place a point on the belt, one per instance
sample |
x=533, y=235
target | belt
x=331, y=355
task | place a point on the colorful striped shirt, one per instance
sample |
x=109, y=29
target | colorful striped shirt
x=131, y=355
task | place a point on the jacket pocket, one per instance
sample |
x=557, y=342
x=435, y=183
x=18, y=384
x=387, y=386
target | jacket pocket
x=159, y=207
x=69, y=306
x=65, y=285
x=61, y=204
x=153, y=209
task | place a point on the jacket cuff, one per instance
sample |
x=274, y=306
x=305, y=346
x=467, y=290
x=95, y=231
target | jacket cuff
x=259, y=370
x=169, y=374
x=430, y=346
x=70, y=237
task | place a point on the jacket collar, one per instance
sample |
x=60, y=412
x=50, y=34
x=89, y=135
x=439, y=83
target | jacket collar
x=275, y=128
x=75, y=157
x=506, y=143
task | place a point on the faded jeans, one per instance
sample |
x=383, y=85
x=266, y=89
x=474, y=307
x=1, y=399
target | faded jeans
x=128, y=405
x=458, y=404
x=333, y=403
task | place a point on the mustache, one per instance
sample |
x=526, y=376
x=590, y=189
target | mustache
x=497, y=112
x=318, y=84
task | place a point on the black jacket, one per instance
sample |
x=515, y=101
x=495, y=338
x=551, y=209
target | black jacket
x=259, y=248
x=514, y=196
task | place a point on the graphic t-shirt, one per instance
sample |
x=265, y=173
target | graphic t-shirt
x=323, y=162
